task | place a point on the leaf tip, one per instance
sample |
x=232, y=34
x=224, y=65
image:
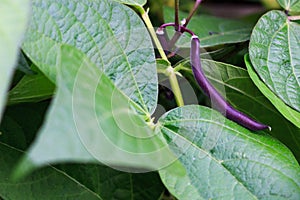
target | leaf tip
x=22, y=169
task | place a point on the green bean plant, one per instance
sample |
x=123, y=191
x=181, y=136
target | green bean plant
x=97, y=103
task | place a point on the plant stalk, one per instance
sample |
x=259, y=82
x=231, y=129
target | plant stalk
x=175, y=87
x=177, y=15
x=171, y=73
x=294, y=18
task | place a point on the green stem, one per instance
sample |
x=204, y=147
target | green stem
x=150, y=27
x=175, y=86
x=294, y=18
x=170, y=71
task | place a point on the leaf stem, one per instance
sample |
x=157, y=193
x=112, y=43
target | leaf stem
x=294, y=18
x=175, y=86
x=196, y=5
x=170, y=70
x=150, y=27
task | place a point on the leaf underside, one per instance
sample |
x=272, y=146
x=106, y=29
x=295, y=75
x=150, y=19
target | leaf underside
x=274, y=54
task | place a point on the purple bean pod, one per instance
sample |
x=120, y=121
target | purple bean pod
x=219, y=102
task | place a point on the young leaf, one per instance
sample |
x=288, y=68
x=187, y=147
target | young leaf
x=274, y=53
x=211, y=30
x=94, y=121
x=220, y=160
x=14, y=16
x=289, y=113
x=109, y=33
x=290, y=5
x=31, y=88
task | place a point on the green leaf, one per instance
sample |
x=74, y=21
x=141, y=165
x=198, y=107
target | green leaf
x=220, y=160
x=289, y=113
x=31, y=88
x=235, y=84
x=111, y=34
x=290, y=5
x=18, y=130
x=211, y=30
x=49, y=183
x=274, y=53
x=13, y=20
x=75, y=182
x=113, y=184
x=90, y=120
x=133, y=2
x=86, y=181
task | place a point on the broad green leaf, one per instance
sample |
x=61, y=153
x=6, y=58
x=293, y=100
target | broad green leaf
x=111, y=34
x=13, y=20
x=49, y=183
x=211, y=30
x=31, y=88
x=237, y=87
x=113, y=184
x=133, y=2
x=220, y=160
x=274, y=54
x=86, y=181
x=94, y=121
x=75, y=182
x=289, y=113
x=290, y=5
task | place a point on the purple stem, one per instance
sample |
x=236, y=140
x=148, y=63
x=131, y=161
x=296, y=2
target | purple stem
x=196, y=5
x=163, y=39
x=182, y=28
x=179, y=32
x=177, y=15
x=218, y=101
